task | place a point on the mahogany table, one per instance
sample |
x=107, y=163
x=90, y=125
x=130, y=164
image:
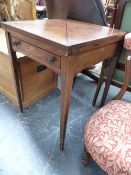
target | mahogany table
x=65, y=46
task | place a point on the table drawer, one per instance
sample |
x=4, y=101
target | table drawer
x=48, y=59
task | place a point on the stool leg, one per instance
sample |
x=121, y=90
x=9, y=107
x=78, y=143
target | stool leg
x=86, y=160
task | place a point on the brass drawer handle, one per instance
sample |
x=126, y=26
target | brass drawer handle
x=16, y=43
x=50, y=59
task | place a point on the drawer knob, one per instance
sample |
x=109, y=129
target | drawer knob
x=50, y=60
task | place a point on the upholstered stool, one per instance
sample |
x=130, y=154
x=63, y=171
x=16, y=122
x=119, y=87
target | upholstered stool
x=108, y=138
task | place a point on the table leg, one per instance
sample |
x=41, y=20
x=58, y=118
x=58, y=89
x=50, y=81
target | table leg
x=66, y=89
x=15, y=69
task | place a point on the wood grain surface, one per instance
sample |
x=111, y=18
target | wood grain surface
x=65, y=33
x=66, y=47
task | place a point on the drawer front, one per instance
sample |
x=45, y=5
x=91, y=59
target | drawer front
x=46, y=58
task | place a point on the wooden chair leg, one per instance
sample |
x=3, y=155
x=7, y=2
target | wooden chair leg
x=90, y=75
x=127, y=77
x=100, y=82
x=110, y=73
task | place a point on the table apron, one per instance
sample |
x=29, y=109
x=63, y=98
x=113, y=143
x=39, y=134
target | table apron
x=92, y=57
x=80, y=61
x=45, y=45
x=48, y=59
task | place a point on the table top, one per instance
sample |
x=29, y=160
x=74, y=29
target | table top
x=66, y=33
